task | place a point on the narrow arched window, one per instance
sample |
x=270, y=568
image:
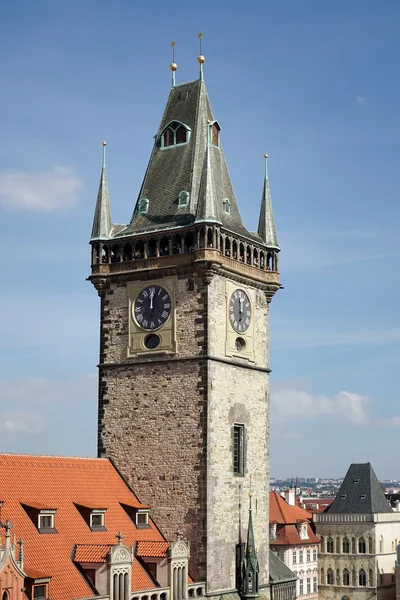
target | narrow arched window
x=215, y=129
x=183, y=199
x=143, y=206
x=346, y=577
x=330, y=579
x=329, y=545
x=346, y=545
x=174, y=134
x=362, y=546
x=227, y=206
x=362, y=578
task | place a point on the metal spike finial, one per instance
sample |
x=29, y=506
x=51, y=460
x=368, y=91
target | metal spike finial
x=200, y=58
x=104, y=154
x=173, y=66
x=266, y=165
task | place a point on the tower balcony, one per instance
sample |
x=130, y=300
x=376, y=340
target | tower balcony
x=208, y=245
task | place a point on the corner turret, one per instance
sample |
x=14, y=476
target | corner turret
x=102, y=223
x=266, y=223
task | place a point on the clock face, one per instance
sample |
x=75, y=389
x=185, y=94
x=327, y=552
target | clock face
x=239, y=311
x=152, y=307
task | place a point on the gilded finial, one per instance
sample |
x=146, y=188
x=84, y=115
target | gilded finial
x=173, y=66
x=200, y=58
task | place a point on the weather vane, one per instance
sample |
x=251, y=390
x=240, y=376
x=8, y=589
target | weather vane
x=200, y=58
x=173, y=65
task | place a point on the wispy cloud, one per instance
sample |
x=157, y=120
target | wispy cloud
x=15, y=423
x=316, y=338
x=291, y=403
x=361, y=100
x=46, y=191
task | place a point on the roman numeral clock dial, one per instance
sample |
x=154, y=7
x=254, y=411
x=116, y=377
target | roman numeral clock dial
x=239, y=311
x=152, y=308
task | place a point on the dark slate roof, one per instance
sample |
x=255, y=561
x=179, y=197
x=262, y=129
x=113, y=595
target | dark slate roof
x=183, y=167
x=360, y=492
x=278, y=571
x=102, y=223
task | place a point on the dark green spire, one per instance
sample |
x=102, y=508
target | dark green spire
x=266, y=223
x=102, y=223
x=250, y=568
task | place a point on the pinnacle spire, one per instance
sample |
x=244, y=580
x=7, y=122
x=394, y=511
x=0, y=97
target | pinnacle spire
x=207, y=207
x=102, y=223
x=200, y=58
x=266, y=223
x=251, y=569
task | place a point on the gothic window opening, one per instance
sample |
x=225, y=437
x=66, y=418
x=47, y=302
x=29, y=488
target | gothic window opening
x=189, y=242
x=164, y=246
x=238, y=449
x=177, y=244
x=227, y=246
x=346, y=577
x=362, y=546
x=330, y=579
x=329, y=545
x=362, y=578
x=152, y=248
x=143, y=207
x=127, y=252
x=183, y=199
x=241, y=252
x=234, y=250
x=227, y=206
x=139, y=250
x=175, y=134
x=5, y=596
x=215, y=129
x=346, y=545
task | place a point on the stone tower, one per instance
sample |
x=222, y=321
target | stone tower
x=183, y=371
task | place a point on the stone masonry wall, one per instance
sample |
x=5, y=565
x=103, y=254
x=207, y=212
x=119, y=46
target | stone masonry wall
x=159, y=417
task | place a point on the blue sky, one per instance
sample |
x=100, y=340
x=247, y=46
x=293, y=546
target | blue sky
x=315, y=85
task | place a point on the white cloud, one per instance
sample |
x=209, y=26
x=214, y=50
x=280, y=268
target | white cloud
x=47, y=191
x=14, y=423
x=391, y=422
x=291, y=403
x=361, y=100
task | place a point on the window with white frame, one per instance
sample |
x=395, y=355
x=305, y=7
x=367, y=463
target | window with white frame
x=301, y=587
x=97, y=519
x=143, y=207
x=183, y=199
x=300, y=557
x=315, y=584
x=142, y=518
x=308, y=555
x=46, y=520
x=294, y=557
x=308, y=585
x=314, y=554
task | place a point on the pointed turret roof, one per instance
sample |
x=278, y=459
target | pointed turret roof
x=266, y=223
x=359, y=493
x=102, y=223
x=207, y=205
x=187, y=167
x=250, y=580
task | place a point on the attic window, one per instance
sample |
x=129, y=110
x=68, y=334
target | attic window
x=227, y=206
x=175, y=134
x=142, y=519
x=143, y=206
x=363, y=496
x=356, y=481
x=97, y=519
x=183, y=199
x=39, y=592
x=343, y=497
x=46, y=521
x=215, y=129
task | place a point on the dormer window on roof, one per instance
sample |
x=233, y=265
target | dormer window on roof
x=94, y=517
x=183, y=199
x=227, y=206
x=175, y=134
x=143, y=206
x=215, y=129
x=142, y=518
x=41, y=516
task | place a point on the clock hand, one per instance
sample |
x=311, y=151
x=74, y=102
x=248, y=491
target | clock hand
x=151, y=300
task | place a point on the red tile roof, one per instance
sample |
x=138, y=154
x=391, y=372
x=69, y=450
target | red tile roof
x=155, y=549
x=281, y=512
x=288, y=535
x=61, y=482
x=91, y=553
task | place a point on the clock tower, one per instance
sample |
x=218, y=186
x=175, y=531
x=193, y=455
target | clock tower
x=185, y=291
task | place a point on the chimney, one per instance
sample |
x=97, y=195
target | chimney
x=290, y=497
